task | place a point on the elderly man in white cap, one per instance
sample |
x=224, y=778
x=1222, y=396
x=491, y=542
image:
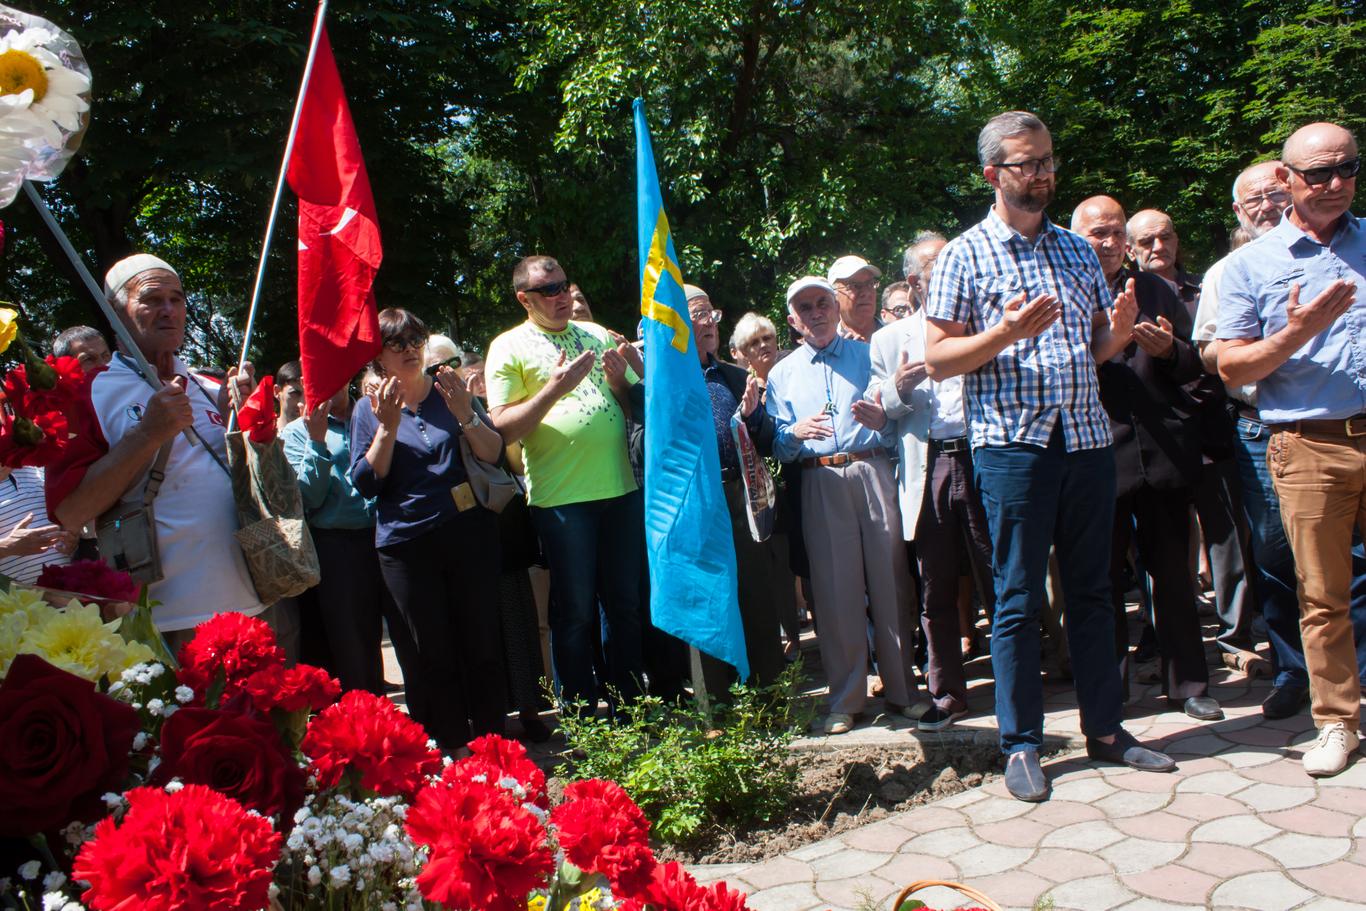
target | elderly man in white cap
x=127, y=428
x=856, y=281
x=850, y=517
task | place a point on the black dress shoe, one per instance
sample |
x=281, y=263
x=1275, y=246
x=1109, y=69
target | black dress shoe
x=1203, y=708
x=1126, y=750
x=1024, y=777
x=1284, y=701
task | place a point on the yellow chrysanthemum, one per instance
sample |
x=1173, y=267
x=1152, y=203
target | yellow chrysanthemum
x=591, y=900
x=12, y=627
x=536, y=903
x=9, y=328
x=21, y=71
x=77, y=640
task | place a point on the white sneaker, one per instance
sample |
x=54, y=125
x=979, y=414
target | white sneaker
x=838, y=723
x=1328, y=755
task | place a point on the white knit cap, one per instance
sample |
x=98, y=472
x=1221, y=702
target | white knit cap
x=125, y=269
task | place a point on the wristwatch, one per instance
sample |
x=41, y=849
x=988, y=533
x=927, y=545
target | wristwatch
x=472, y=422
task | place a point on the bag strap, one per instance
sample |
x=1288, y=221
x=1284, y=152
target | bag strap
x=157, y=474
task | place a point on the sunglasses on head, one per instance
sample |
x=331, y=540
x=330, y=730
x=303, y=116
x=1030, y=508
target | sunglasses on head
x=1319, y=176
x=551, y=289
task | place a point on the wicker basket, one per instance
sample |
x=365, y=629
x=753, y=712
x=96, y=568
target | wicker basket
x=930, y=883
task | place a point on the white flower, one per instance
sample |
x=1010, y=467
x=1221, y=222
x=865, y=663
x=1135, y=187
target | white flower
x=339, y=875
x=53, y=881
x=183, y=694
x=315, y=875
x=155, y=706
x=169, y=711
x=53, y=901
x=30, y=870
x=112, y=801
x=140, y=741
x=175, y=784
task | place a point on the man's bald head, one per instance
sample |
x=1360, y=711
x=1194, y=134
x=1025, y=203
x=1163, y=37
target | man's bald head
x=1259, y=197
x=1100, y=220
x=1153, y=242
x=1308, y=142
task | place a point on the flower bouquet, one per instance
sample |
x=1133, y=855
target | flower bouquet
x=234, y=783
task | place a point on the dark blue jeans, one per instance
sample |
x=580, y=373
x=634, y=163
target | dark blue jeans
x=1276, y=564
x=593, y=552
x=1035, y=498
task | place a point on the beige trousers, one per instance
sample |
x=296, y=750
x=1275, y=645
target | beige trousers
x=1321, y=482
x=852, y=525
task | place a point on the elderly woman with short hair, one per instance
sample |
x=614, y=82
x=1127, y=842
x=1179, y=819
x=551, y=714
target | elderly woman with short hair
x=438, y=548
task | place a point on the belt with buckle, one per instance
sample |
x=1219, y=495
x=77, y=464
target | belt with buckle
x=1355, y=426
x=956, y=444
x=843, y=458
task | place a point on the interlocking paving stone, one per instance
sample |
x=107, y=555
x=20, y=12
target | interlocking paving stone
x=1171, y=883
x=1197, y=745
x=1225, y=860
x=1339, y=880
x=777, y=871
x=1295, y=851
x=1013, y=889
x=1137, y=855
x=857, y=892
x=1059, y=865
x=1083, y=836
x=1330, y=904
x=1205, y=806
x=791, y=897
x=929, y=819
x=988, y=859
x=1149, y=904
x=1312, y=821
x=944, y=843
x=1235, y=830
x=1353, y=777
x=883, y=836
x=1100, y=893
x=1221, y=783
x=819, y=849
x=1084, y=790
x=1286, y=772
x=1267, y=798
x=1062, y=812
x=1247, y=758
x=1264, y=891
x=909, y=868
x=1159, y=826
x=1123, y=804
x=986, y=811
x=846, y=863
x=1015, y=833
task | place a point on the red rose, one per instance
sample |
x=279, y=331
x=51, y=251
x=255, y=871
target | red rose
x=62, y=746
x=486, y=850
x=603, y=831
x=90, y=577
x=497, y=758
x=368, y=735
x=292, y=689
x=194, y=850
x=241, y=757
x=235, y=645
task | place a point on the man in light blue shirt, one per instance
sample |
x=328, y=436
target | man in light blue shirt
x=850, y=518
x=341, y=617
x=1292, y=321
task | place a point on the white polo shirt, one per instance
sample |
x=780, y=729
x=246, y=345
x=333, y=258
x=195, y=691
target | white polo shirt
x=203, y=569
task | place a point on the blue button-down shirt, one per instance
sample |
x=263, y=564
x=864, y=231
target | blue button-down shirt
x=1022, y=394
x=801, y=384
x=323, y=470
x=1326, y=378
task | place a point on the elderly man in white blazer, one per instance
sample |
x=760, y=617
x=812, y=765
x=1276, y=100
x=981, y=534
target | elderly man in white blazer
x=940, y=507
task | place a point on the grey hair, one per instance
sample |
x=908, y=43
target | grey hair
x=912, y=263
x=61, y=346
x=747, y=327
x=1000, y=128
x=440, y=349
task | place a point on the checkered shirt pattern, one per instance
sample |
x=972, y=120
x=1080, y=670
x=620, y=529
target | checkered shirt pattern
x=1020, y=395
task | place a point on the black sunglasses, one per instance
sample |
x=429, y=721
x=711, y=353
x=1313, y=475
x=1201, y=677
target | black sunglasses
x=553, y=289
x=402, y=343
x=1319, y=176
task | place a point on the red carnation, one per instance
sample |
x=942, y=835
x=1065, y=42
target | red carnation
x=90, y=577
x=236, y=645
x=497, y=758
x=39, y=439
x=368, y=735
x=720, y=897
x=672, y=888
x=603, y=831
x=292, y=689
x=241, y=757
x=64, y=746
x=194, y=850
x=486, y=850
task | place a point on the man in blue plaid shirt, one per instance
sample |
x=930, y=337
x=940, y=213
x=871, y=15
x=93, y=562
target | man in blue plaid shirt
x=1021, y=308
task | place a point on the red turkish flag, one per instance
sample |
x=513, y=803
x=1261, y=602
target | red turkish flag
x=339, y=245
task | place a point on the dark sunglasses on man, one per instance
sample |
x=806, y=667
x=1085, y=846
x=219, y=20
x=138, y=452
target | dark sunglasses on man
x=1316, y=177
x=552, y=289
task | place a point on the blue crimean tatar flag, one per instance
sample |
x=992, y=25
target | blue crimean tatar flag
x=687, y=526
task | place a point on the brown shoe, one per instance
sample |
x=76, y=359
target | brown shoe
x=1249, y=664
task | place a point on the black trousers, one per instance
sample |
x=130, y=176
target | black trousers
x=347, y=608
x=1158, y=522
x=445, y=585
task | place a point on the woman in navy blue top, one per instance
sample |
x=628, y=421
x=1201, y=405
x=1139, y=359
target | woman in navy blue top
x=438, y=548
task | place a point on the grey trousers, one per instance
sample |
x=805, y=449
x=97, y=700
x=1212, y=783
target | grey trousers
x=1219, y=506
x=852, y=525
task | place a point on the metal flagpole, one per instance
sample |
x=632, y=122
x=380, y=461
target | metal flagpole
x=130, y=347
x=279, y=192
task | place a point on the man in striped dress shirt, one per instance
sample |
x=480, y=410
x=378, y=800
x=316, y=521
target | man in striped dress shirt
x=1020, y=307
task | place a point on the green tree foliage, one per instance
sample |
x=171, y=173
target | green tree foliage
x=788, y=132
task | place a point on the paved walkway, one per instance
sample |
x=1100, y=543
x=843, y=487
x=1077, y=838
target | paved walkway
x=1237, y=826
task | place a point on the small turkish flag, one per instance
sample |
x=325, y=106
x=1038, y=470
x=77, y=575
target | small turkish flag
x=339, y=244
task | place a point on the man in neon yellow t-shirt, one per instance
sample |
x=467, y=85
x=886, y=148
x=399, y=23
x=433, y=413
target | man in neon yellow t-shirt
x=547, y=388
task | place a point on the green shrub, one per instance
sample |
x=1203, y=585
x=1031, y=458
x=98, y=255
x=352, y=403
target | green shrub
x=692, y=774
